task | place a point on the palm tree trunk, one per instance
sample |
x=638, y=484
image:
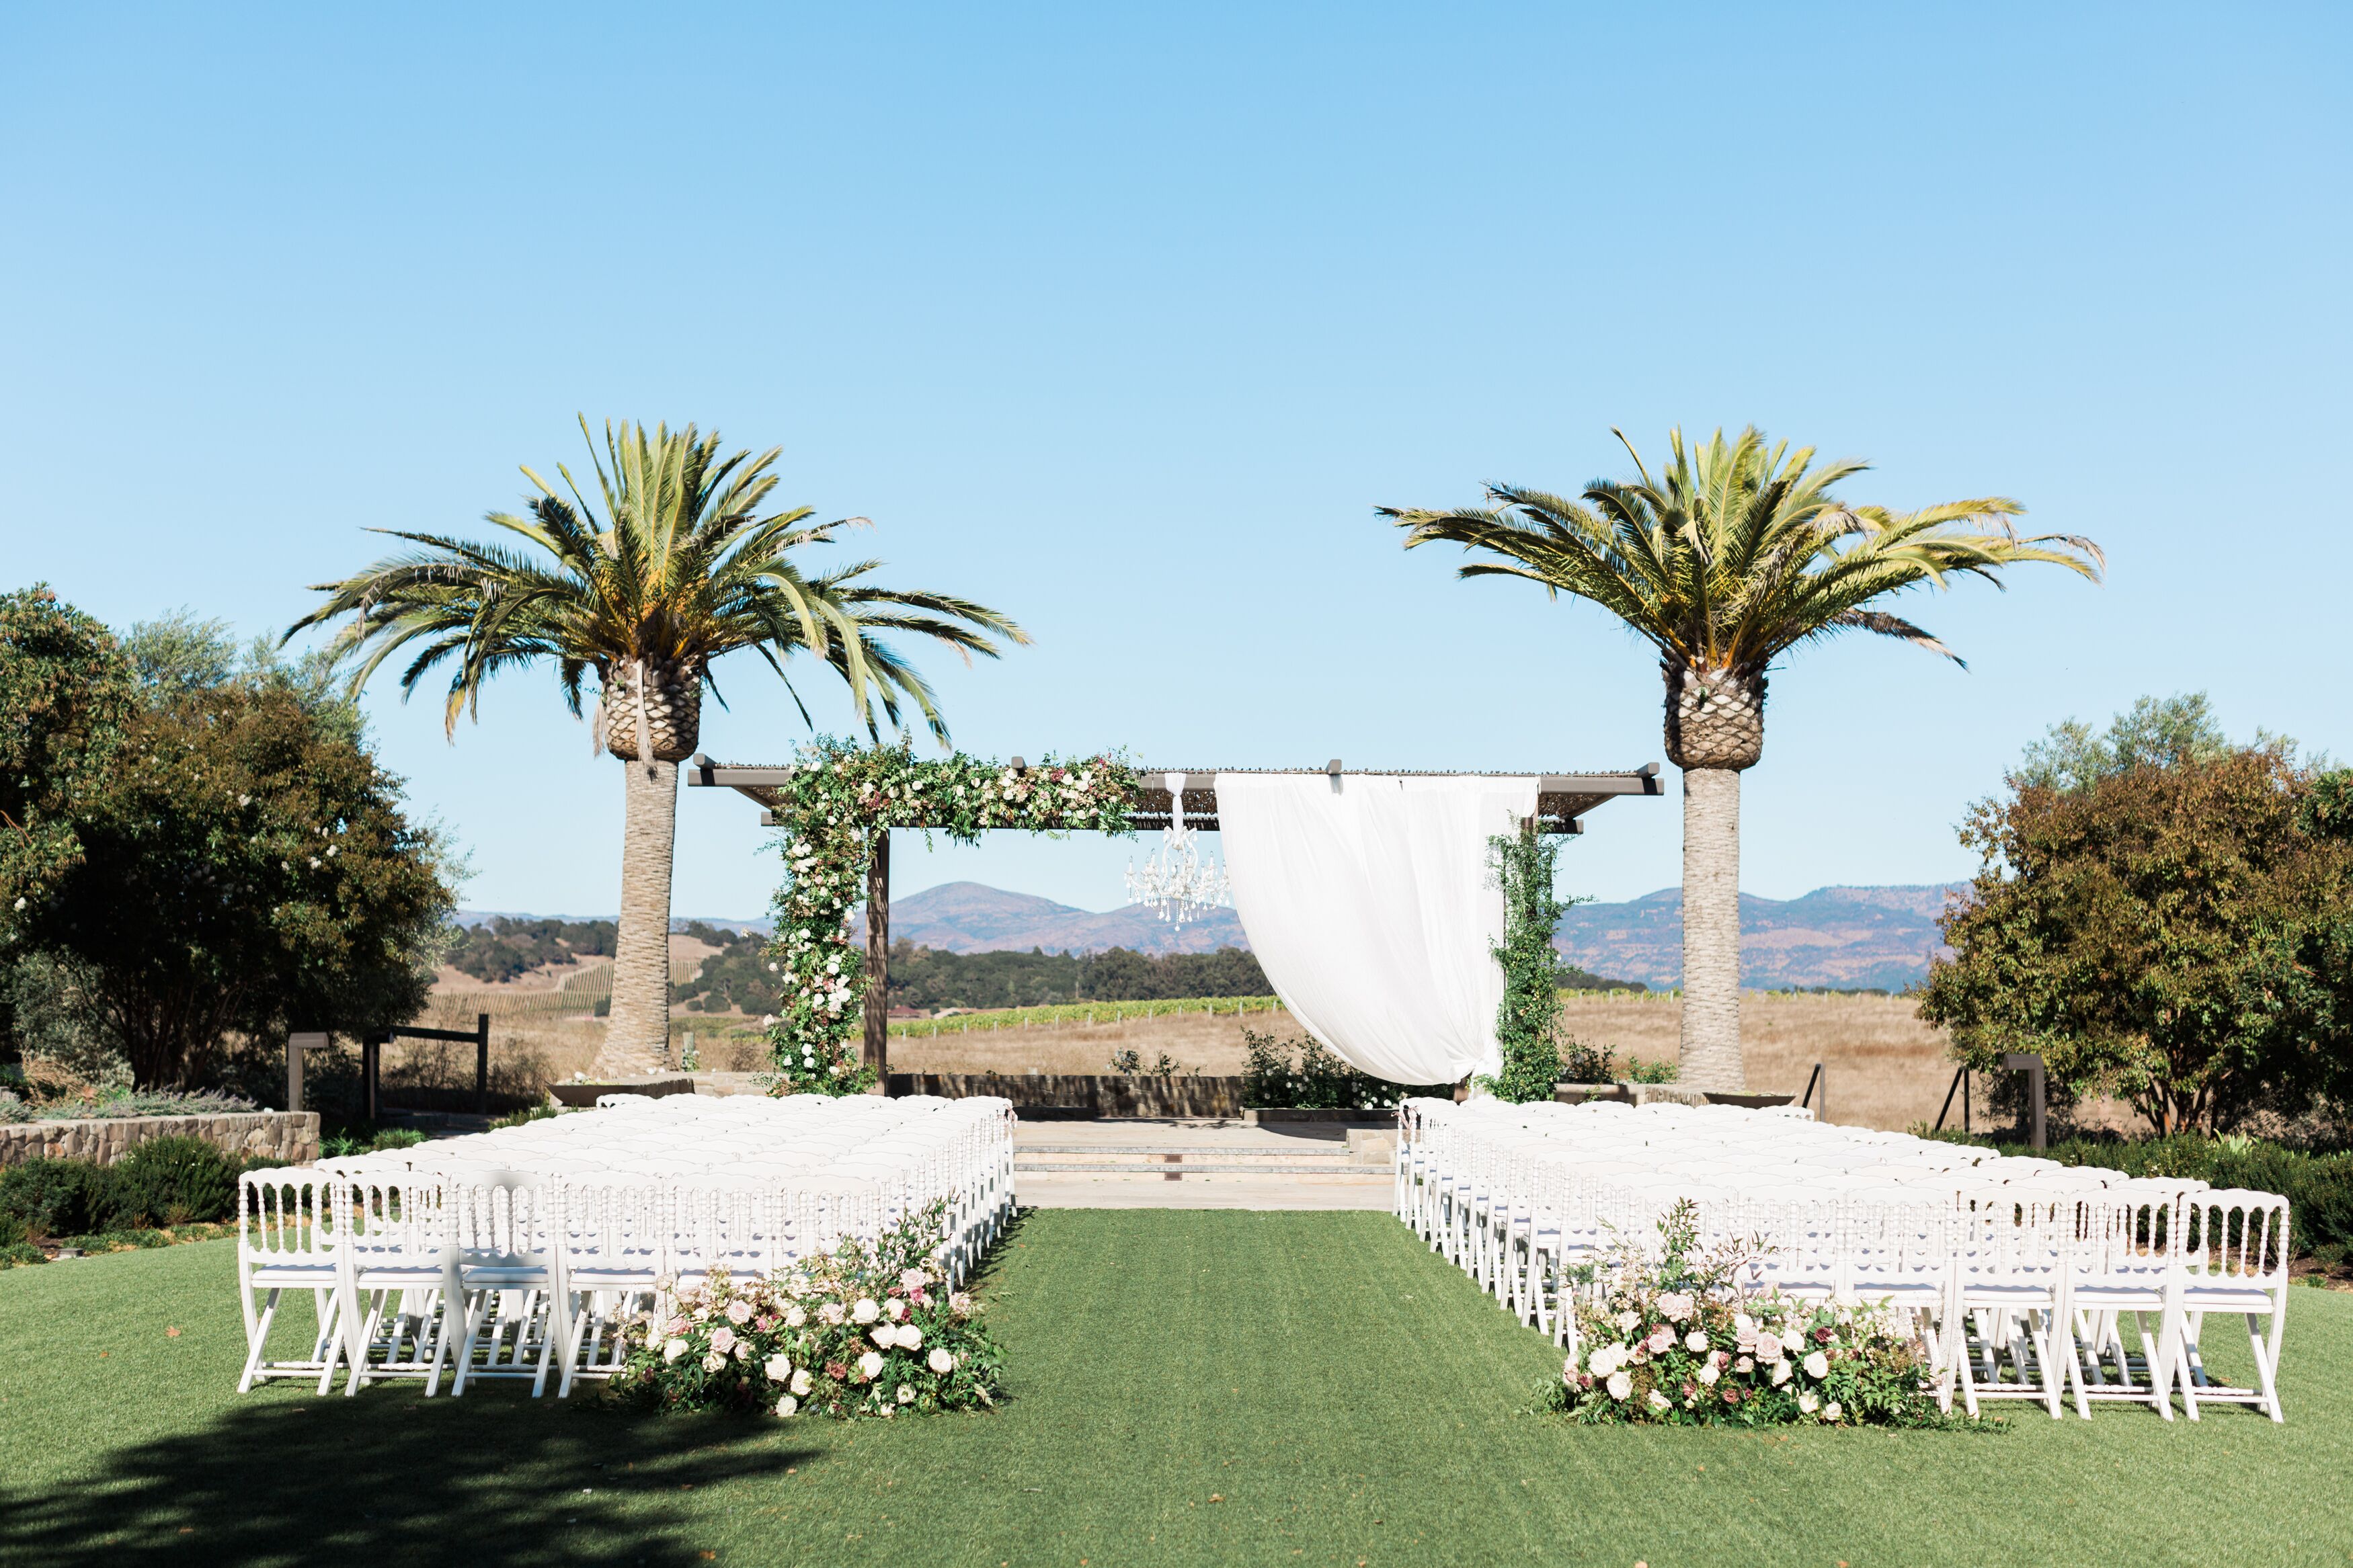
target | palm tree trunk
x=1711, y=1042
x=637, y=1040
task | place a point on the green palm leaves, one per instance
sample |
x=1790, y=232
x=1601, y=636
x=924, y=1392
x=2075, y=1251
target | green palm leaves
x=1738, y=550
x=667, y=566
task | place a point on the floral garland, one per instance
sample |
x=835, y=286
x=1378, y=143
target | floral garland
x=840, y=795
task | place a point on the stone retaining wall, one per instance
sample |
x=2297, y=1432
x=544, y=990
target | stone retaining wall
x=1095, y=1094
x=291, y=1136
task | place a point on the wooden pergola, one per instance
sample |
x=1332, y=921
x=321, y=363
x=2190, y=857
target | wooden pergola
x=1562, y=802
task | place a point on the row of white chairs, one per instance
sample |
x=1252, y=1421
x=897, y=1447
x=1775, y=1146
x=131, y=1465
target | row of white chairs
x=524, y=1253
x=2019, y=1275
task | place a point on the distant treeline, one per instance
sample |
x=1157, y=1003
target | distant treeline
x=502, y=949
x=737, y=977
x=929, y=978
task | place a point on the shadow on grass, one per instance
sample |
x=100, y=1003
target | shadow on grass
x=393, y=1478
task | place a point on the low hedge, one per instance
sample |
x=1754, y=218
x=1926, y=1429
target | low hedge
x=2318, y=1187
x=161, y=1183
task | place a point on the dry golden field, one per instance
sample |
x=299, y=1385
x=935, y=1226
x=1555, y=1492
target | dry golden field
x=1885, y=1068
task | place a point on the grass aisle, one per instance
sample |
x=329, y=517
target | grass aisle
x=1194, y=1388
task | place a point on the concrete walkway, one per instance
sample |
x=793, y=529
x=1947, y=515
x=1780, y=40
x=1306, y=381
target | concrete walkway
x=1150, y=1162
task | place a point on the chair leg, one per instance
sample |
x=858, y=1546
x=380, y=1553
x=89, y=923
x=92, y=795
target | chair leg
x=256, y=1339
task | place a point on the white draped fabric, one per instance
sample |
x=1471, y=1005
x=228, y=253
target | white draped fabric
x=1373, y=910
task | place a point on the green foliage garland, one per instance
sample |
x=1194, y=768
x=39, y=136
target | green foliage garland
x=839, y=796
x=1528, y=1021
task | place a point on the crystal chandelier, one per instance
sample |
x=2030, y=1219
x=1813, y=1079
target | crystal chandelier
x=1177, y=881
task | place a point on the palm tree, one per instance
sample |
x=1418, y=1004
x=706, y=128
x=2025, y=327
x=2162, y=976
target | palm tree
x=678, y=571
x=1735, y=555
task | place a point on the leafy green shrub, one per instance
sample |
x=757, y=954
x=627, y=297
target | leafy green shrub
x=1320, y=1081
x=528, y=1114
x=16, y=1254
x=174, y=1181
x=59, y=1197
x=347, y=1141
x=1640, y=1071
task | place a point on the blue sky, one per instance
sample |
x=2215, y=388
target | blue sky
x=1126, y=320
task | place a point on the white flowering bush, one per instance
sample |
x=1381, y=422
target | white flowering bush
x=869, y=1331
x=839, y=797
x=1678, y=1341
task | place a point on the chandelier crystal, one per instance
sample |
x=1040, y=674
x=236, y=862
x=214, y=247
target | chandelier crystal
x=1179, y=881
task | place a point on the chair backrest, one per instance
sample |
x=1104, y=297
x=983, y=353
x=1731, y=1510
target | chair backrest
x=289, y=1213
x=2230, y=1234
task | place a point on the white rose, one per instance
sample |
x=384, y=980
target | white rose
x=1744, y=1364
x=674, y=1349
x=1620, y=1384
x=871, y=1363
x=885, y=1336
x=941, y=1361
x=1695, y=1341
x=910, y=1337
x=1768, y=1346
x=714, y=1361
x=1809, y=1404
x=1780, y=1373
x=906, y=1395
x=1626, y=1321
x=866, y=1312
x=787, y=1405
x=896, y=1307
x=802, y=1381
x=1708, y=1374
x=778, y=1368
x=1818, y=1365
x=795, y=1318
x=1659, y=1401
x=1831, y=1411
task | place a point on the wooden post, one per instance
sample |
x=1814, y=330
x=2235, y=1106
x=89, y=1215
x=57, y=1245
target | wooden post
x=482, y=1063
x=2030, y=1064
x=878, y=960
x=295, y=1046
x=371, y=1059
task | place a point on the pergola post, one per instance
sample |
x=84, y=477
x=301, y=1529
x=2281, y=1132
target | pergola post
x=878, y=960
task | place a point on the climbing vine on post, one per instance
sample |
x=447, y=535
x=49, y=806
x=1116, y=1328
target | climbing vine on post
x=842, y=795
x=1527, y=1022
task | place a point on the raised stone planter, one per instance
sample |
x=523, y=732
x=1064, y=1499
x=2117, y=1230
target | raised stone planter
x=583, y=1096
x=1258, y=1115
x=1631, y=1093
x=289, y=1135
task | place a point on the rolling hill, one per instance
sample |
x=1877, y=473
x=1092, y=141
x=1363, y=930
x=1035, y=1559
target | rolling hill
x=1847, y=937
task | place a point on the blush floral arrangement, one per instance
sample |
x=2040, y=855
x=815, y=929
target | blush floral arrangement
x=839, y=796
x=1678, y=1340
x=870, y=1330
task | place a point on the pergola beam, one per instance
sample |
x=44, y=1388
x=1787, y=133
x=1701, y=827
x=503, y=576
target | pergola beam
x=1562, y=800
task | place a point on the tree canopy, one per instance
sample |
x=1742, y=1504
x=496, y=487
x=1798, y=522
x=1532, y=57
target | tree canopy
x=65, y=696
x=246, y=867
x=2162, y=922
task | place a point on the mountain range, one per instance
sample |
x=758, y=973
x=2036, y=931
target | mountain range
x=1847, y=937
x=1852, y=937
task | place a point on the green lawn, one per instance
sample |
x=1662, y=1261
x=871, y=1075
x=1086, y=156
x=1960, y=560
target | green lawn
x=1193, y=1387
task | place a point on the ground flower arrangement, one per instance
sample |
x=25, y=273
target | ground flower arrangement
x=1678, y=1340
x=869, y=1331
